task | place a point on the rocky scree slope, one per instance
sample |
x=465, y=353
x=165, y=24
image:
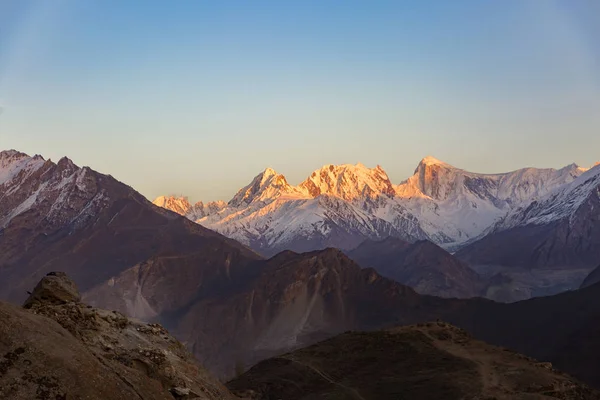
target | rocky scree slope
x=58, y=348
x=425, y=361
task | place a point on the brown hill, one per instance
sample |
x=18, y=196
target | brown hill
x=58, y=348
x=426, y=361
x=423, y=265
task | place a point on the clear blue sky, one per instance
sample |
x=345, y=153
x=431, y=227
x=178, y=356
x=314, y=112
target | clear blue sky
x=196, y=97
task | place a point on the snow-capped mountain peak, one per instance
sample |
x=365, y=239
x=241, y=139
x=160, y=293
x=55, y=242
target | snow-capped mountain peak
x=430, y=160
x=266, y=186
x=348, y=182
x=12, y=163
x=432, y=178
x=180, y=205
x=343, y=204
x=559, y=203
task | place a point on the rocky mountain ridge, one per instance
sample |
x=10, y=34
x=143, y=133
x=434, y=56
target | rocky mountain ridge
x=346, y=204
x=559, y=230
x=60, y=216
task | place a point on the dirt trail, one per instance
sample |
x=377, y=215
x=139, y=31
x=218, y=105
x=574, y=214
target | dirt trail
x=490, y=380
x=350, y=390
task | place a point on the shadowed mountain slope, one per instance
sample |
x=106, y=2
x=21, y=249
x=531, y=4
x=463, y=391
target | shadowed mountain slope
x=559, y=230
x=427, y=361
x=57, y=216
x=592, y=278
x=423, y=265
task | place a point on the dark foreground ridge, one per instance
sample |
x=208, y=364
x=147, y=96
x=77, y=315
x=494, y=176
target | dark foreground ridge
x=60, y=349
x=424, y=361
x=57, y=348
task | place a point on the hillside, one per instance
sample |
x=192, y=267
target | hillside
x=426, y=361
x=59, y=348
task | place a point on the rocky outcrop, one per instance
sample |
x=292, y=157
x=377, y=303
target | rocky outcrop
x=59, y=348
x=54, y=288
x=425, y=361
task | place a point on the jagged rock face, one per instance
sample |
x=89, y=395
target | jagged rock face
x=426, y=361
x=349, y=182
x=62, y=217
x=423, y=266
x=60, y=349
x=435, y=179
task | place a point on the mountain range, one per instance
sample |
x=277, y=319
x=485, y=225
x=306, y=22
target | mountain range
x=230, y=305
x=342, y=206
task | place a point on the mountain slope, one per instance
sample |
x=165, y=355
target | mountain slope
x=424, y=266
x=592, y=278
x=293, y=300
x=346, y=204
x=59, y=348
x=271, y=306
x=59, y=216
x=560, y=230
x=427, y=361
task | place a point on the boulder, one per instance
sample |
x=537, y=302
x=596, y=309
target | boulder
x=54, y=288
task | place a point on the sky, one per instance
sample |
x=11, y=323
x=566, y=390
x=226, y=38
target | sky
x=197, y=97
